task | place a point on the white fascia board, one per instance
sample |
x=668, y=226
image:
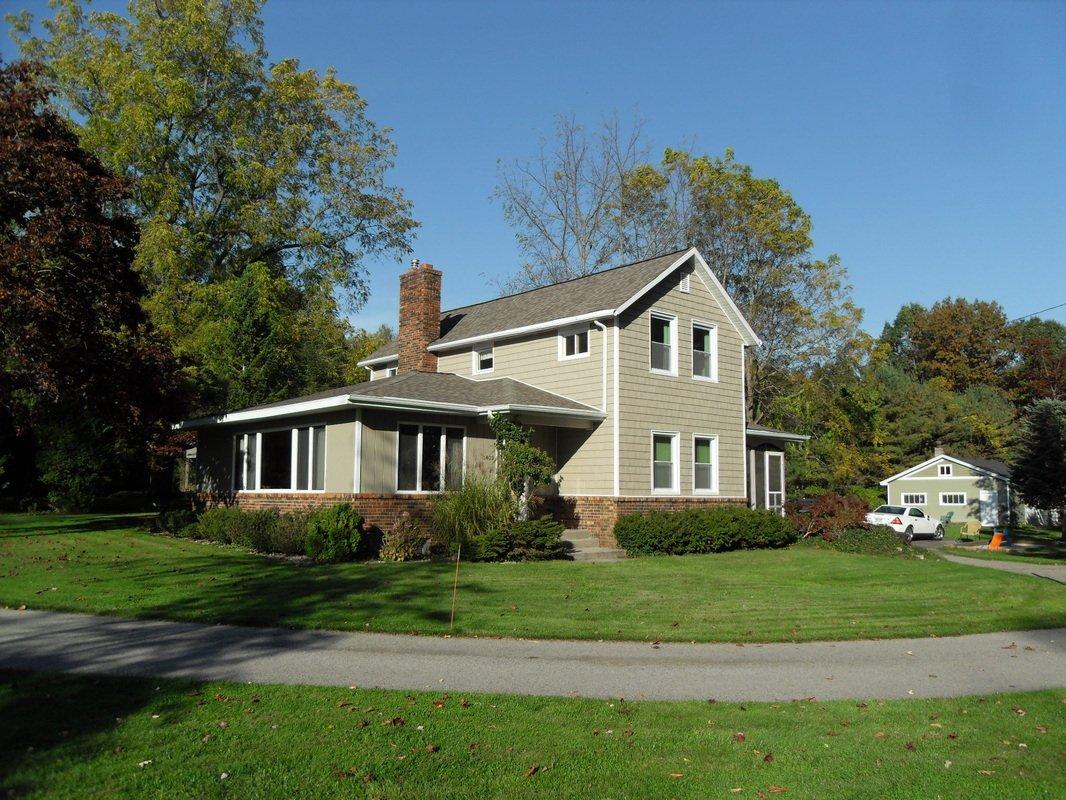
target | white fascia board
x=654, y=281
x=783, y=436
x=952, y=459
x=403, y=404
x=371, y=362
x=744, y=328
x=514, y=408
x=273, y=412
x=512, y=332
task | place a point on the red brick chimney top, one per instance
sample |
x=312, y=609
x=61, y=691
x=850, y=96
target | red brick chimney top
x=419, y=318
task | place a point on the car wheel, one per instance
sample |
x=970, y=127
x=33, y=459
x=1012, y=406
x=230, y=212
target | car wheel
x=939, y=532
x=908, y=535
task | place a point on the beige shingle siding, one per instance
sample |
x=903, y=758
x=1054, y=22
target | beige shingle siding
x=534, y=359
x=679, y=403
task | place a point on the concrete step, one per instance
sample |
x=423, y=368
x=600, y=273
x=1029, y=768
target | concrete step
x=598, y=554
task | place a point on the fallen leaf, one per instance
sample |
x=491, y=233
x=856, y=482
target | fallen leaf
x=223, y=776
x=1011, y=646
x=1042, y=728
x=21, y=607
x=739, y=737
x=432, y=748
x=1019, y=711
x=223, y=724
x=396, y=722
x=533, y=770
x=777, y=789
x=769, y=758
x=953, y=735
x=677, y=775
x=464, y=703
x=910, y=746
x=880, y=735
x=144, y=764
x=984, y=772
x=947, y=764
x=737, y=789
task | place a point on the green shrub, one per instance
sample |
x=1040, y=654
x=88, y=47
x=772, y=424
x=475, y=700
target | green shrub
x=333, y=533
x=530, y=540
x=711, y=530
x=175, y=522
x=289, y=534
x=482, y=506
x=216, y=524
x=253, y=529
x=875, y=540
x=404, y=541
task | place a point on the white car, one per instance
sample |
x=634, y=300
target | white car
x=910, y=522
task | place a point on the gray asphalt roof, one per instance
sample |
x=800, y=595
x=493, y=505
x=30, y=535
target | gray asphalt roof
x=600, y=290
x=440, y=387
x=988, y=464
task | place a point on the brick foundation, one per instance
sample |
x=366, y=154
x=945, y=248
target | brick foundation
x=599, y=514
x=595, y=514
x=379, y=510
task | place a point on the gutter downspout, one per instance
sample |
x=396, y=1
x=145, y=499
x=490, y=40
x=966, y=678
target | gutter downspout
x=603, y=329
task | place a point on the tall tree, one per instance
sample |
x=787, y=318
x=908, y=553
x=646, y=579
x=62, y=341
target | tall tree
x=75, y=344
x=587, y=202
x=1039, y=471
x=237, y=161
x=562, y=203
x=961, y=341
x=1040, y=371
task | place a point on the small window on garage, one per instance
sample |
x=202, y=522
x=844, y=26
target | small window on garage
x=952, y=498
x=945, y=470
x=914, y=499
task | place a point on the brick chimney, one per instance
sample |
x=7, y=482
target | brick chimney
x=938, y=450
x=419, y=318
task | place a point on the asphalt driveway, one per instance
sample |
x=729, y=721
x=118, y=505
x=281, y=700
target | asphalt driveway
x=891, y=668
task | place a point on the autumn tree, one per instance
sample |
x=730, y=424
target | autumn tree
x=1040, y=370
x=964, y=342
x=75, y=344
x=1039, y=471
x=240, y=165
x=589, y=201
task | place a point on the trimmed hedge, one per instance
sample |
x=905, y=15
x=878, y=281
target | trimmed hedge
x=712, y=530
x=873, y=540
x=333, y=533
x=531, y=540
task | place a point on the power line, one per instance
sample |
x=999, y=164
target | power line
x=1041, y=311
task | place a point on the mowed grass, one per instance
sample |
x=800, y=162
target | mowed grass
x=87, y=737
x=105, y=565
x=992, y=555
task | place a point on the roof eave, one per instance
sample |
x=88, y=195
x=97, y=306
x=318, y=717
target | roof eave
x=271, y=412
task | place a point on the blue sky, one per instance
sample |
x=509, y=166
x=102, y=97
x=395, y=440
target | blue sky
x=926, y=140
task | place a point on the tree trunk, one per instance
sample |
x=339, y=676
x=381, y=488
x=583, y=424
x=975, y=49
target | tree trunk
x=1062, y=521
x=523, y=499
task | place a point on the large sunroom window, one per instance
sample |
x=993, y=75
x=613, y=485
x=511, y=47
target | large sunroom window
x=429, y=458
x=286, y=459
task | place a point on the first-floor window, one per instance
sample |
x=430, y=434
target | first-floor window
x=664, y=462
x=705, y=463
x=913, y=498
x=290, y=459
x=952, y=498
x=429, y=458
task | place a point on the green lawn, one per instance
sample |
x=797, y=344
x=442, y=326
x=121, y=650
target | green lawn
x=78, y=736
x=992, y=555
x=102, y=565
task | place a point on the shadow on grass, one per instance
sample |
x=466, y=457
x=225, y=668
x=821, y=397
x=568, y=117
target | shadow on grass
x=40, y=713
x=14, y=525
x=258, y=591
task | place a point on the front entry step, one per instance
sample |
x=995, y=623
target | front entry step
x=583, y=546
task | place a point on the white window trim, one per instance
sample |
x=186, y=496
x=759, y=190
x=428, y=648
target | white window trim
x=561, y=335
x=780, y=456
x=944, y=470
x=256, y=437
x=475, y=358
x=714, y=463
x=903, y=501
x=944, y=502
x=672, y=319
x=713, y=329
x=675, y=451
x=418, y=456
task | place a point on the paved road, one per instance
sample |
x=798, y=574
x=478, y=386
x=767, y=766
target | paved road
x=930, y=667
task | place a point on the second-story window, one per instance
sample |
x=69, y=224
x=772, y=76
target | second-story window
x=663, y=344
x=574, y=342
x=483, y=357
x=704, y=351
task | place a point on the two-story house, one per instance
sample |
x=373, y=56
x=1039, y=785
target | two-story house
x=631, y=378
